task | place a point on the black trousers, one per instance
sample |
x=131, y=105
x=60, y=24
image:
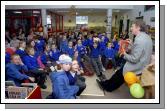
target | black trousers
x=39, y=75
x=114, y=82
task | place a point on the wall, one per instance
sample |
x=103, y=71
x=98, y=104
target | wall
x=94, y=20
x=146, y=14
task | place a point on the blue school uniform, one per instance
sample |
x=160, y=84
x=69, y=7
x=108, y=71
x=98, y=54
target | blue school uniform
x=7, y=58
x=39, y=46
x=45, y=57
x=72, y=80
x=54, y=55
x=85, y=42
x=22, y=53
x=31, y=62
x=95, y=52
x=13, y=73
x=90, y=42
x=61, y=86
x=81, y=49
x=70, y=51
x=116, y=46
x=63, y=45
x=109, y=53
x=102, y=46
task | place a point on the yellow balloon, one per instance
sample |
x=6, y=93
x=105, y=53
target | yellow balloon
x=130, y=78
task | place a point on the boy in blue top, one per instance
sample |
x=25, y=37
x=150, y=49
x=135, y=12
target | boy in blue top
x=63, y=44
x=14, y=71
x=60, y=82
x=34, y=68
x=95, y=59
x=39, y=44
x=21, y=51
x=90, y=40
x=110, y=55
x=54, y=53
x=70, y=50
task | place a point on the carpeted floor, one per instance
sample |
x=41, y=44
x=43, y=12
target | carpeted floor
x=93, y=91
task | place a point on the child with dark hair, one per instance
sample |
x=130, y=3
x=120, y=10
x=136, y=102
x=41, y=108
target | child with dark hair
x=63, y=44
x=39, y=44
x=109, y=56
x=45, y=57
x=70, y=49
x=54, y=53
x=96, y=61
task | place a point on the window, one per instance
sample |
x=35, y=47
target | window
x=81, y=19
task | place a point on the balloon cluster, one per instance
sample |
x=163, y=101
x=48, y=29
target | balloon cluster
x=136, y=90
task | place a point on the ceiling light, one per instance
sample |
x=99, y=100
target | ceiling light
x=17, y=12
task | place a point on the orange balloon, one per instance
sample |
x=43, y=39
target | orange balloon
x=130, y=78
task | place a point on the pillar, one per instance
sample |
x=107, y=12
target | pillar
x=44, y=21
x=109, y=23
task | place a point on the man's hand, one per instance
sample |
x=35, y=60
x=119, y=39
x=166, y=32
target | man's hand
x=122, y=52
x=31, y=79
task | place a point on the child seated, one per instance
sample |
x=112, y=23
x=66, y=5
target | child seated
x=14, y=71
x=21, y=50
x=39, y=44
x=109, y=56
x=60, y=82
x=34, y=68
x=75, y=77
x=70, y=50
x=63, y=44
x=54, y=53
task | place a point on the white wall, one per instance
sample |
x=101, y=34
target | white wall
x=146, y=14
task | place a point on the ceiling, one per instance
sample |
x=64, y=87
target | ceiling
x=87, y=11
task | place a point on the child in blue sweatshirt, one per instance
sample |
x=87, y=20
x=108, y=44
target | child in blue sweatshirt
x=34, y=68
x=39, y=44
x=14, y=71
x=110, y=55
x=70, y=49
x=7, y=58
x=45, y=57
x=21, y=50
x=60, y=83
x=96, y=61
x=63, y=44
x=54, y=53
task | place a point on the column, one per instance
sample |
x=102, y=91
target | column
x=109, y=23
x=44, y=21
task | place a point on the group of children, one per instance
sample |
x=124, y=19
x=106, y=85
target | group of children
x=33, y=59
